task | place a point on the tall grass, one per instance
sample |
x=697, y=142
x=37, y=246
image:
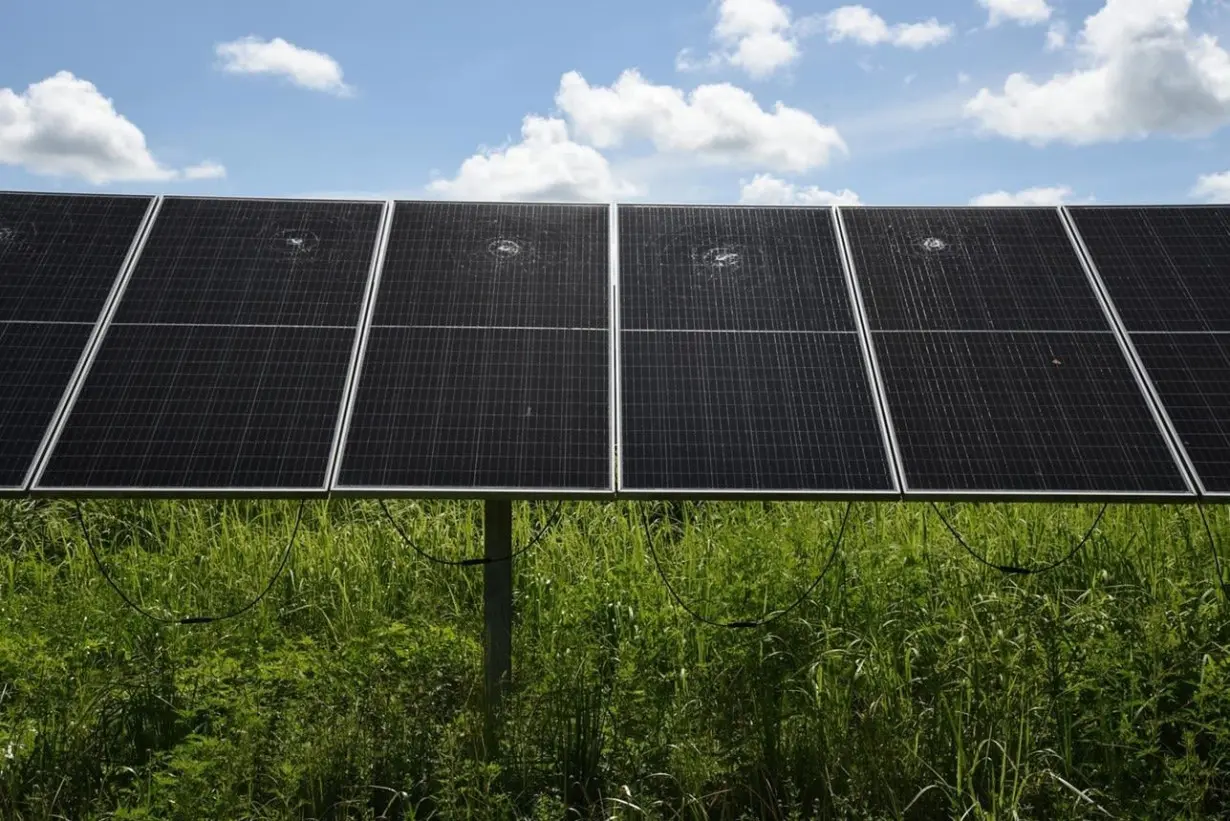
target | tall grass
x=914, y=683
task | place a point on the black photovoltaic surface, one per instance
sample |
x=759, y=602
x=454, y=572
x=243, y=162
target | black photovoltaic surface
x=227, y=361
x=1008, y=269
x=1167, y=271
x=1000, y=369
x=758, y=269
x=740, y=363
x=253, y=262
x=481, y=408
x=749, y=412
x=496, y=265
x=487, y=364
x=60, y=257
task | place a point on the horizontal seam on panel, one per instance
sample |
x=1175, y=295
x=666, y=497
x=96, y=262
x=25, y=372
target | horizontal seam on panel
x=729, y=331
x=43, y=322
x=490, y=328
x=230, y=325
x=987, y=331
x=1178, y=333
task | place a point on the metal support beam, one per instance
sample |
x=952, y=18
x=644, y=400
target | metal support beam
x=497, y=612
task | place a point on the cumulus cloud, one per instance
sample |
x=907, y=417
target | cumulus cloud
x=1213, y=187
x=754, y=35
x=1050, y=195
x=717, y=123
x=862, y=25
x=1144, y=71
x=546, y=166
x=306, y=68
x=1022, y=12
x=765, y=189
x=63, y=126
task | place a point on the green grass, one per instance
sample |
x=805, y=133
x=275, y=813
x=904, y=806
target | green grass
x=915, y=683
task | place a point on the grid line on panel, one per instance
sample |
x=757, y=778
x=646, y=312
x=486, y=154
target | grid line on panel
x=233, y=262
x=750, y=412
x=1164, y=268
x=495, y=264
x=970, y=269
x=1024, y=412
x=489, y=408
x=754, y=269
x=195, y=407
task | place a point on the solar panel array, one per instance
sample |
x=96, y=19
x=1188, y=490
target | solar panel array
x=487, y=367
x=1167, y=271
x=741, y=361
x=195, y=346
x=60, y=257
x=1002, y=373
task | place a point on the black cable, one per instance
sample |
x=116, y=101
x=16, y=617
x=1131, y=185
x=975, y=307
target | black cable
x=190, y=619
x=1208, y=531
x=1013, y=569
x=551, y=520
x=746, y=625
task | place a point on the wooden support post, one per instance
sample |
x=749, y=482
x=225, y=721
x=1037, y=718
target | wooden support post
x=497, y=613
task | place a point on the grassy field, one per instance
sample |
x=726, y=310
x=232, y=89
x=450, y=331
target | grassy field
x=915, y=683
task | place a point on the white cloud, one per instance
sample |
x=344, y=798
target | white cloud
x=1022, y=12
x=310, y=69
x=205, y=171
x=1052, y=195
x=765, y=189
x=1144, y=72
x=863, y=25
x=754, y=35
x=718, y=123
x=1213, y=187
x=63, y=126
x=1056, y=35
x=545, y=165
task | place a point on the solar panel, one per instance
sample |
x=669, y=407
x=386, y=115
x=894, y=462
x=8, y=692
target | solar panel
x=742, y=370
x=1001, y=371
x=226, y=362
x=487, y=365
x=1165, y=271
x=60, y=257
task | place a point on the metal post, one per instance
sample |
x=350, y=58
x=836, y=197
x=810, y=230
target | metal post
x=497, y=612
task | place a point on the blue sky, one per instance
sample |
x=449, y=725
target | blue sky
x=888, y=102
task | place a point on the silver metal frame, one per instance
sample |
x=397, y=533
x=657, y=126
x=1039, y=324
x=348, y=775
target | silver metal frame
x=771, y=494
x=37, y=489
x=360, y=345
x=69, y=388
x=888, y=430
x=1178, y=451
x=942, y=494
x=400, y=492
x=616, y=386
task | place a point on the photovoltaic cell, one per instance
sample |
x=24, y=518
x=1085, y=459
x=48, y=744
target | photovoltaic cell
x=60, y=257
x=496, y=265
x=1001, y=371
x=487, y=363
x=749, y=412
x=226, y=363
x=481, y=408
x=721, y=269
x=741, y=367
x=257, y=262
x=1165, y=270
